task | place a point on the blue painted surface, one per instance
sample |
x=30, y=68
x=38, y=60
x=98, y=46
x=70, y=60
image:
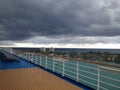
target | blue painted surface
x=16, y=64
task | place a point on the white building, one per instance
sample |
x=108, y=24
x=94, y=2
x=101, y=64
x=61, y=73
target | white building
x=51, y=49
x=43, y=49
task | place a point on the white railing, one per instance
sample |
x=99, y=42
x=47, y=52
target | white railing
x=92, y=76
x=9, y=49
x=111, y=79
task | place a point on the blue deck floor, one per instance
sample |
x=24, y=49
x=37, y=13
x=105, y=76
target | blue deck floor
x=15, y=65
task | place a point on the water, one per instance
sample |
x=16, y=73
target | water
x=73, y=50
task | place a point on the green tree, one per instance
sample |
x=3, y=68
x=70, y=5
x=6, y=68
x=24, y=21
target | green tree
x=117, y=58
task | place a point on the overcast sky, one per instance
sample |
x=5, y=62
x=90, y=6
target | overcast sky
x=60, y=23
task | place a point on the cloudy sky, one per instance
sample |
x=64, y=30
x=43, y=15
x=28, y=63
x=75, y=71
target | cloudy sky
x=60, y=23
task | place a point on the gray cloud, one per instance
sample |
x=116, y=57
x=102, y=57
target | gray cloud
x=24, y=19
x=4, y=43
x=73, y=40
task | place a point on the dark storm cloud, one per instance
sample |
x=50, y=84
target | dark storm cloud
x=24, y=19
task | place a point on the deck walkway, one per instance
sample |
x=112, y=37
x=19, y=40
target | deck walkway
x=32, y=79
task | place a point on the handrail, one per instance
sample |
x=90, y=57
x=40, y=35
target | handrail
x=70, y=71
x=110, y=84
x=70, y=63
x=70, y=67
x=88, y=67
x=88, y=77
x=109, y=69
x=88, y=72
x=78, y=67
x=76, y=59
x=110, y=78
x=70, y=75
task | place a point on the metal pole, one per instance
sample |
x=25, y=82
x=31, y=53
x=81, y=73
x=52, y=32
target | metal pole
x=63, y=68
x=36, y=59
x=40, y=61
x=28, y=56
x=25, y=55
x=98, y=85
x=77, y=71
x=32, y=58
x=11, y=50
x=53, y=65
x=46, y=63
x=109, y=69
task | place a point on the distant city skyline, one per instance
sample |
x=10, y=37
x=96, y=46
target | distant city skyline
x=60, y=23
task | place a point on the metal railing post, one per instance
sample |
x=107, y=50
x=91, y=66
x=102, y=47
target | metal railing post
x=77, y=74
x=28, y=56
x=23, y=55
x=98, y=83
x=46, y=63
x=11, y=51
x=40, y=61
x=53, y=65
x=63, y=68
x=36, y=58
x=32, y=57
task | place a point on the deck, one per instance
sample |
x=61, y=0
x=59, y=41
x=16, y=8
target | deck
x=32, y=79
